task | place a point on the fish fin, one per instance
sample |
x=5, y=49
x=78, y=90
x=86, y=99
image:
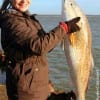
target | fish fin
x=62, y=44
x=92, y=61
x=72, y=39
x=92, y=66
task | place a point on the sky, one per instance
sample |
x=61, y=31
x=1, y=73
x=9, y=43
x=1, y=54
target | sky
x=90, y=7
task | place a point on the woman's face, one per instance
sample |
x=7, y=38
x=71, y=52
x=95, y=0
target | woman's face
x=21, y=5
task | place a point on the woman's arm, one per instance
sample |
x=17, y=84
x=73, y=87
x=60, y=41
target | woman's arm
x=26, y=35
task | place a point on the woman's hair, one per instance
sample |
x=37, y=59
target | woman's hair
x=5, y=5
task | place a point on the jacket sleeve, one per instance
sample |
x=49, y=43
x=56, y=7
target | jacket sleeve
x=24, y=35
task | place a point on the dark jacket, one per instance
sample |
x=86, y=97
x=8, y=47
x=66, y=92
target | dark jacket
x=26, y=44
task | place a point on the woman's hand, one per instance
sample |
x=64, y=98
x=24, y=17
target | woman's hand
x=71, y=25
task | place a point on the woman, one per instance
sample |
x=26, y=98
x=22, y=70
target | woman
x=26, y=44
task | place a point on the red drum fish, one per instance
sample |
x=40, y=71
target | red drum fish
x=77, y=47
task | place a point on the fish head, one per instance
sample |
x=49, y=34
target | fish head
x=71, y=9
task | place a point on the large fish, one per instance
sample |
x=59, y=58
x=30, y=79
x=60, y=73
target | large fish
x=77, y=47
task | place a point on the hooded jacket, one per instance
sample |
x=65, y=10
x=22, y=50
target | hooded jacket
x=26, y=44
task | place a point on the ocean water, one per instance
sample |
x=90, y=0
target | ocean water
x=59, y=70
